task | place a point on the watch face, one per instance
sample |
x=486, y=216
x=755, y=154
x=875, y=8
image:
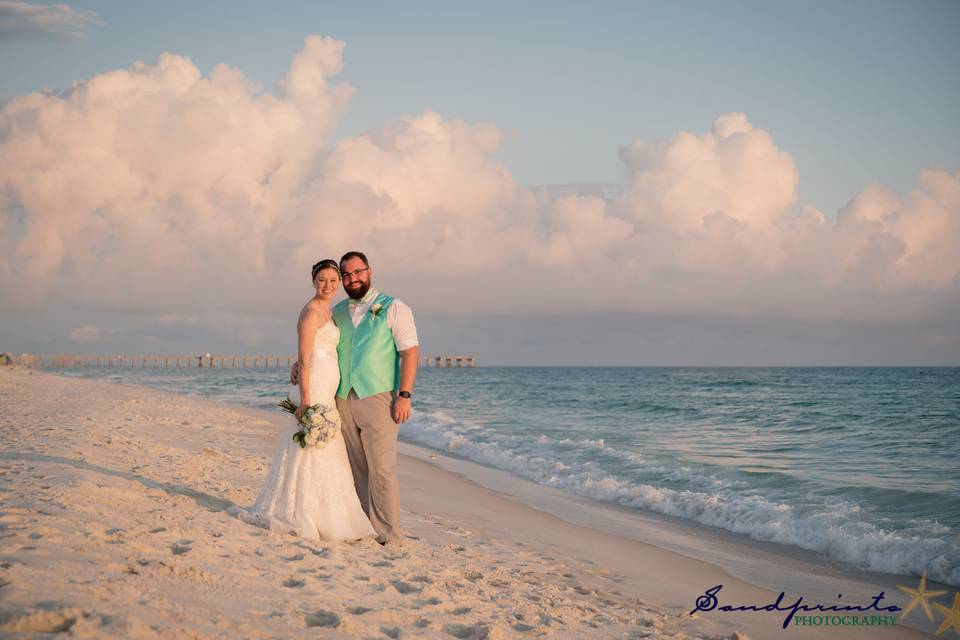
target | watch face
x=404, y=394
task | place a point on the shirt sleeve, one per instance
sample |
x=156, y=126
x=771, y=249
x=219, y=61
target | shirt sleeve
x=400, y=319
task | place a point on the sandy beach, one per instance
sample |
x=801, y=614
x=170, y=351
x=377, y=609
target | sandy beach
x=114, y=524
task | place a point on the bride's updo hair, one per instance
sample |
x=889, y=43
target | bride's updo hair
x=326, y=263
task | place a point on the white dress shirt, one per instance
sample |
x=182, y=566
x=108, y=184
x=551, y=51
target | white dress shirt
x=399, y=319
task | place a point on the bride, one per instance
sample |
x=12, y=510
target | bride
x=310, y=492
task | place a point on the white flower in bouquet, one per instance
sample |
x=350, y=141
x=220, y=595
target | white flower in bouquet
x=319, y=424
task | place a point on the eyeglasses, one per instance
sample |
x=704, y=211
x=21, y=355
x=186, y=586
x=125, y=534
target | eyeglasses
x=354, y=274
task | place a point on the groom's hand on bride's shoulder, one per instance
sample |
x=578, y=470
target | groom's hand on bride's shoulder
x=401, y=410
x=295, y=373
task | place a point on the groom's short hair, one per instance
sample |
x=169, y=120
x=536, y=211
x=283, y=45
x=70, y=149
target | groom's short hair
x=354, y=254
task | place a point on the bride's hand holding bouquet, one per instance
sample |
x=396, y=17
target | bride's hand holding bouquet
x=319, y=423
x=298, y=414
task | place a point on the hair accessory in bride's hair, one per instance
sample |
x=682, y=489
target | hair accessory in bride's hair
x=326, y=263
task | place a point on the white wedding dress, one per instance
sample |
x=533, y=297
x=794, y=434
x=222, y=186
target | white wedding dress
x=309, y=492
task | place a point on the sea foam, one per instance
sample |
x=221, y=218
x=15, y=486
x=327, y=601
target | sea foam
x=834, y=527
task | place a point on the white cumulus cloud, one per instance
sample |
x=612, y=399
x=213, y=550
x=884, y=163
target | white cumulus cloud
x=157, y=189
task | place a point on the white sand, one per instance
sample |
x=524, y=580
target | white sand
x=112, y=524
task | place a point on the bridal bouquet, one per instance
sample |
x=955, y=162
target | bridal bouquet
x=318, y=424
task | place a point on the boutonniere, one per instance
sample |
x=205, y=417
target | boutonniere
x=376, y=310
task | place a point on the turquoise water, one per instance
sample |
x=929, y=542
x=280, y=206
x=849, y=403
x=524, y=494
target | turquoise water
x=861, y=465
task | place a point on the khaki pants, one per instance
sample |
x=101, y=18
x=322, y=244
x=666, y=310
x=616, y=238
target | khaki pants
x=371, y=438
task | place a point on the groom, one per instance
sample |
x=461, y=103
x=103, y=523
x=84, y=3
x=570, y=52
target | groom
x=378, y=354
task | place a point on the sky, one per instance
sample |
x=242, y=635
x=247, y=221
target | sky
x=780, y=181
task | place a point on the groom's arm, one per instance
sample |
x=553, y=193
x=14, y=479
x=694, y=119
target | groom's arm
x=400, y=319
x=409, y=359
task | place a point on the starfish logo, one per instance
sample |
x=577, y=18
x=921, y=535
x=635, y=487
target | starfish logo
x=951, y=616
x=921, y=596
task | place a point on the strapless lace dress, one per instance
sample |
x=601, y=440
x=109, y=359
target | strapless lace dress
x=309, y=492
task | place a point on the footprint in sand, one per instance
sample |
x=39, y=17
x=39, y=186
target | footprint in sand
x=463, y=631
x=405, y=587
x=321, y=618
x=179, y=549
x=323, y=552
x=548, y=620
x=40, y=621
x=390, y=632
x=293, y=583
x=358, y=611
x=294, y=558
x=420, y=603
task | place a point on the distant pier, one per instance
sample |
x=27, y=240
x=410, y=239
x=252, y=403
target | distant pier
x=450, y=362
x=200, y=361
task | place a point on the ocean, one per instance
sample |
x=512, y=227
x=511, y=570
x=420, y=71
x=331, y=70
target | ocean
x=858, y=465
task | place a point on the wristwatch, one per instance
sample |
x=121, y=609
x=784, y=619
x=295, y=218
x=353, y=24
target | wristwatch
x=405, y=394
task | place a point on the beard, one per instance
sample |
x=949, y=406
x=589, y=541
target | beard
x=359, y=292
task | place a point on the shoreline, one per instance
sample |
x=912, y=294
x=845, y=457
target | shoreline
x=744, y=569
x=681, y=535
x=448, y=504
x=869, y=530
x=747, y=558
x=743, y=558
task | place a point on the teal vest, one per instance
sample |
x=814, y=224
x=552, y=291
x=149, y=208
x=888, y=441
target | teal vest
x=369, y=362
